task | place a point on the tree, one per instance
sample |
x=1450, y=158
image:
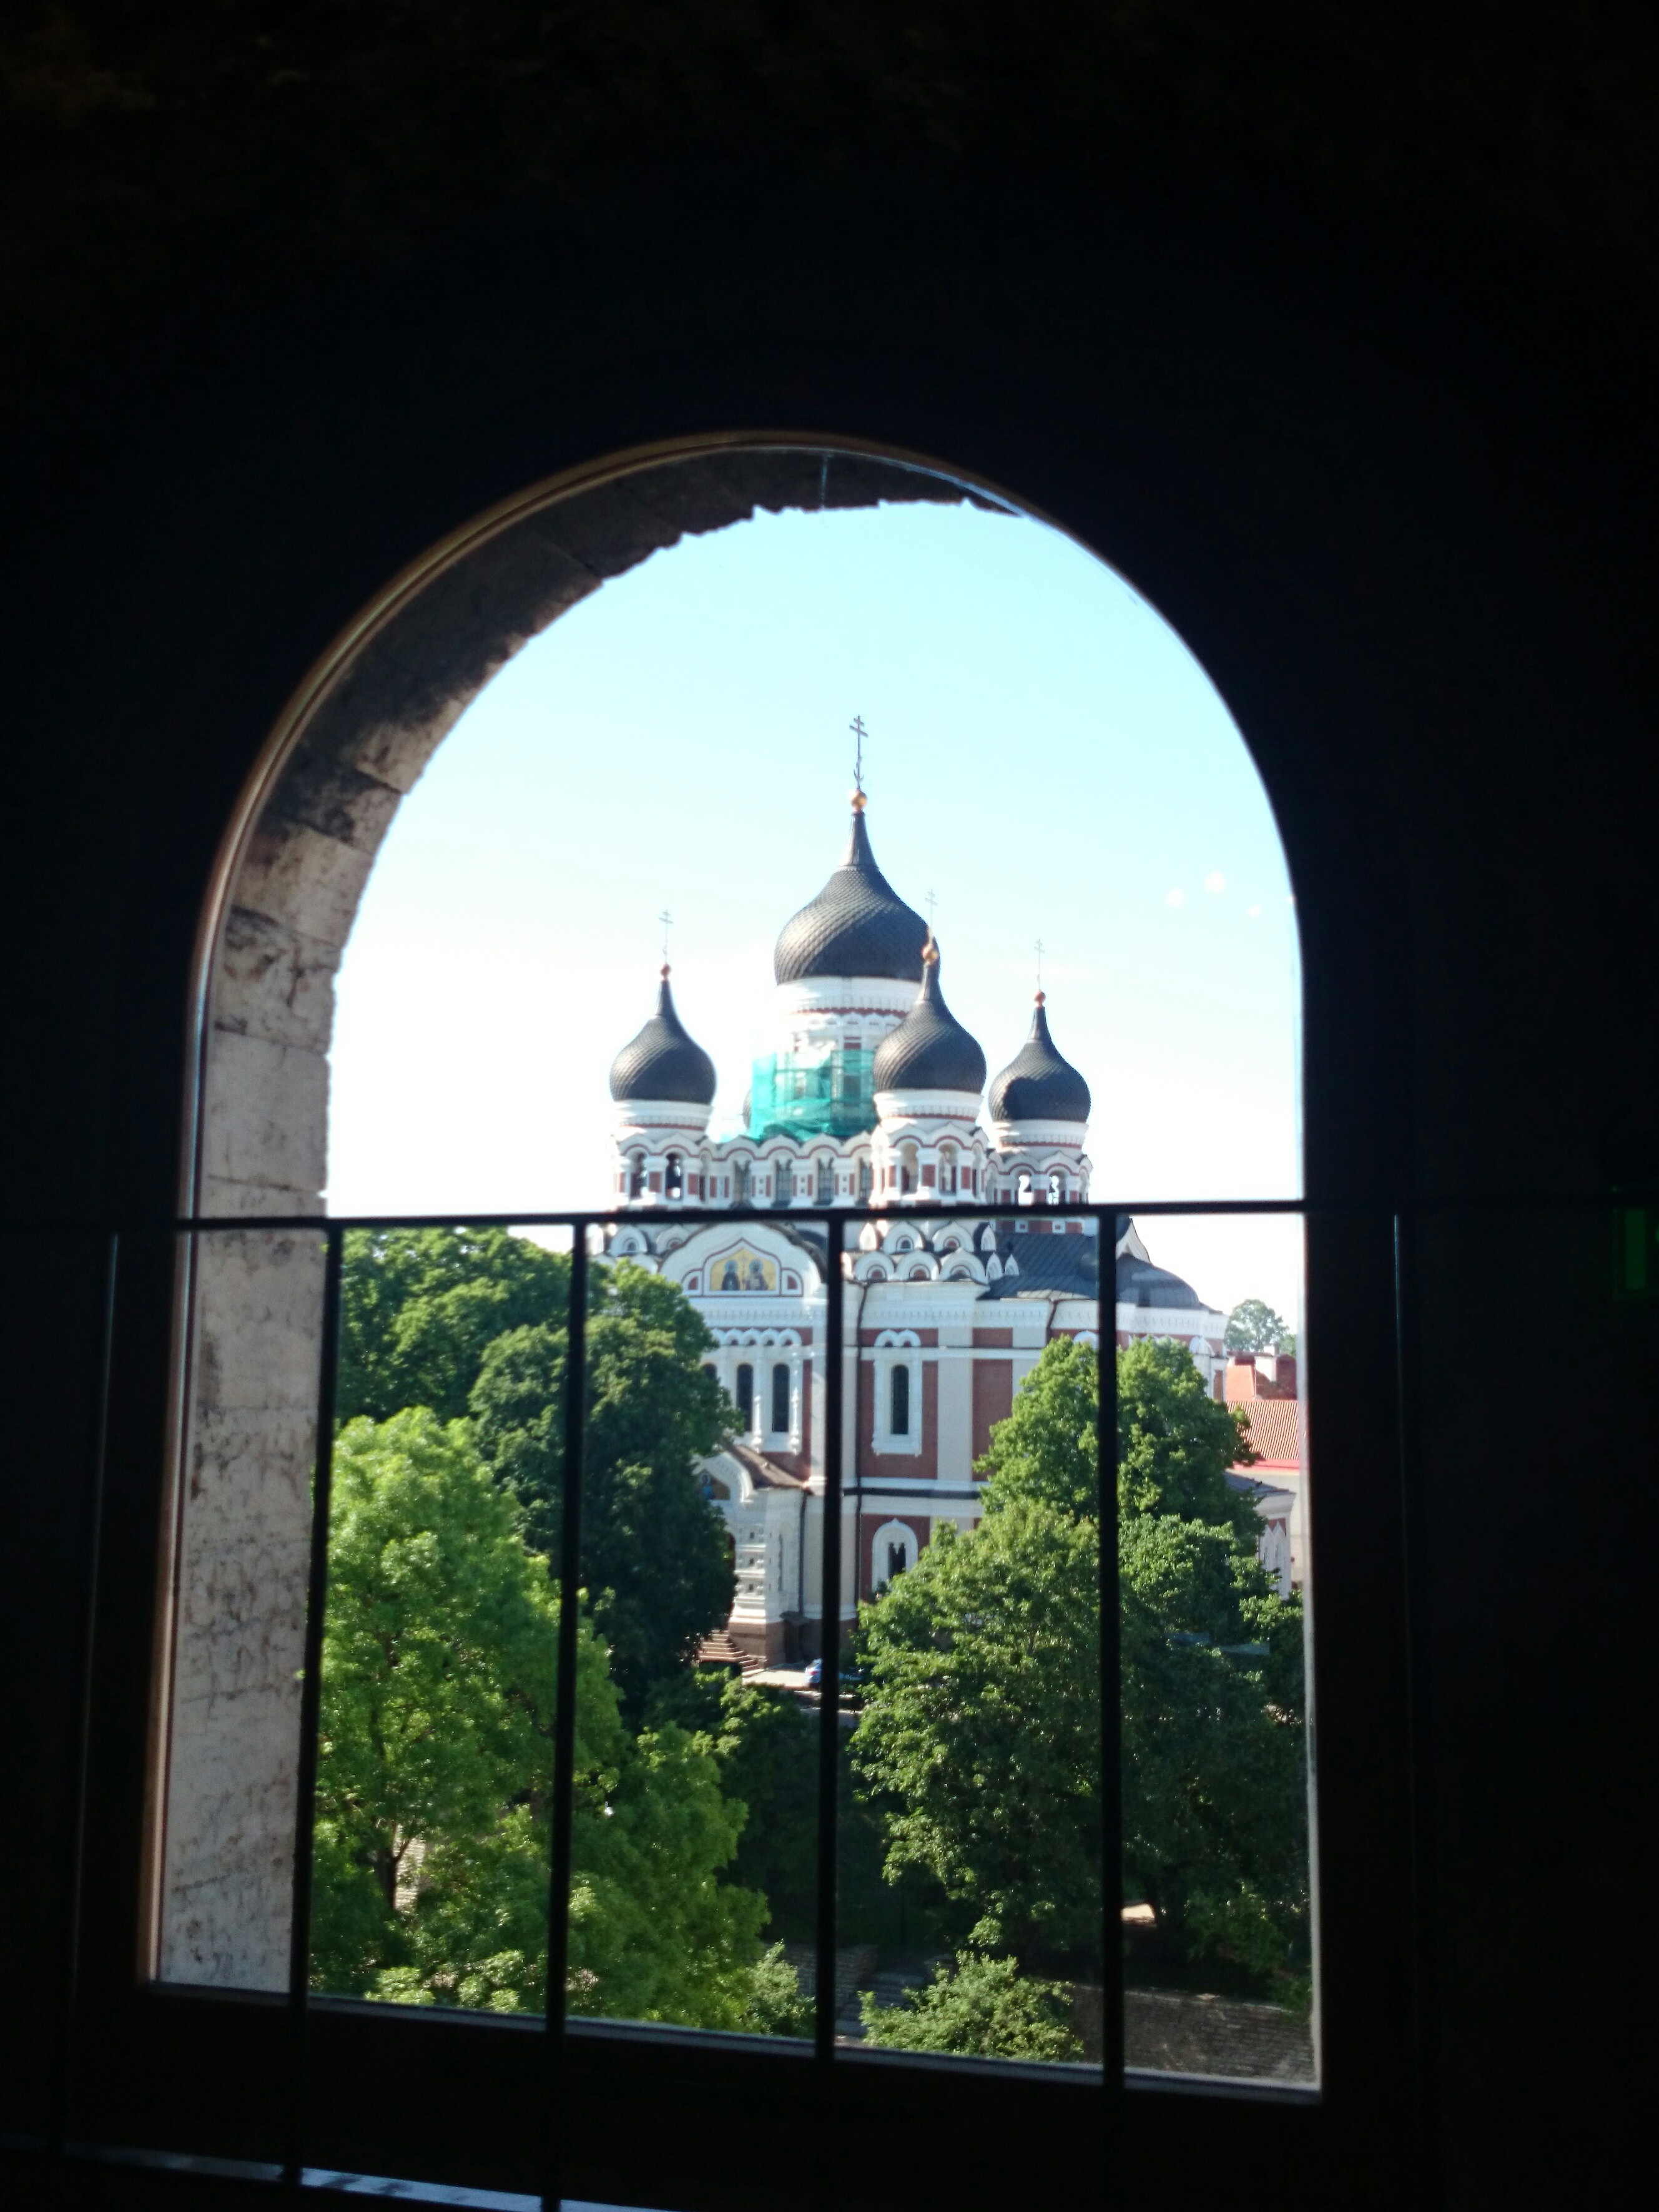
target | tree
x=981, y=1730
x=435, y=1767
x=982, y=2007
x=1175, y=1443
x=654, y=1548
x=765, y=1744
x=419, y=1308
x=1254, y=1325
x=476, y=1321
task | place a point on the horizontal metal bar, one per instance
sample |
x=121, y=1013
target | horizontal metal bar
x=959, y=1209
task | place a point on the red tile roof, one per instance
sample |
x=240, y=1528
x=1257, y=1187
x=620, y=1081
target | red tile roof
x=1275, y=1431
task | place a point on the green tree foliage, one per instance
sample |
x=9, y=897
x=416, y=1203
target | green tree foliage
x=438, y=1673
x=981, y=1732
x=981, y=1727
x=1255, y=1327
x=1175, y=1443
x=654, y=1548
x=421, y=1307
x=765, y=1744
x=982, y=2007
x=476, y=1321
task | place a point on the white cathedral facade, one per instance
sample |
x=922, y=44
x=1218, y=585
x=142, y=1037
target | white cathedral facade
x=876, y=1095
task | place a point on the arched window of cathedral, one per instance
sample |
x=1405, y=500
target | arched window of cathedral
x=1022, y=1188
x=897, y=1558
x=636, y=1174
x=865, y=1180
x=740, y=1182
x=745, y=1393
x=826, y=1184
x=781, y=1399
x=899, y=1402
x=947, y=1168
x=1056, y=1188
x=673, y=1181
x=783, y=1183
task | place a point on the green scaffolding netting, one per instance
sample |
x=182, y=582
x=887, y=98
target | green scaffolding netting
x=828, y=1092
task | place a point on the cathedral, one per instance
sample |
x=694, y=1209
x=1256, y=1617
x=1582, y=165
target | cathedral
x=875, y=1096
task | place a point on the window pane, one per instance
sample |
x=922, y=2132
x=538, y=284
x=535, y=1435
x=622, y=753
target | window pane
x=970, y=1897
x=440, y=1665
x=693, y=1874
x=1217, y=1935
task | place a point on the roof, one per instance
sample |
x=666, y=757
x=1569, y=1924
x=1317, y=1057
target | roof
x=1275, y=1429
x=929, y=1050
x=664, y=1061
x=857, y=924
x=1067, y=1265
x=763, y=1473
x=1140, y=1283
x=1038, y=1085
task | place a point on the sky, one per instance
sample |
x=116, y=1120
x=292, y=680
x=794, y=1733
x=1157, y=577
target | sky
x=1045, y=756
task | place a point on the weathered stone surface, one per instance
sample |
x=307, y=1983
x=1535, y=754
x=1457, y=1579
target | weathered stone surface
x=274, y=983
x=266, y=1115
x=218, y=1198
x=294, y=874
x=258, y=1318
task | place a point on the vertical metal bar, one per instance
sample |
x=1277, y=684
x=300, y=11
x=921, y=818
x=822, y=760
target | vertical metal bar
x=1111, y=1699
x=311, y=1697
x=830, y=1645
x=68, y=1984
x=564, y=1718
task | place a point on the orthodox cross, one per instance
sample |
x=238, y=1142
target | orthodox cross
x=667, y=920
x=931, y=902
x=1037, y=948
x=856, y=726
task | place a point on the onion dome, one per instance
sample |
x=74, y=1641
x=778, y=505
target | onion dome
x=929, y=1050
x=1037, y=1084
x=857, y=924
x=663, y=1062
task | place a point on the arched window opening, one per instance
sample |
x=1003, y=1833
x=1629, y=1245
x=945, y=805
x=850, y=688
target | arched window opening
x=1007, y=1317
x=898, y=1421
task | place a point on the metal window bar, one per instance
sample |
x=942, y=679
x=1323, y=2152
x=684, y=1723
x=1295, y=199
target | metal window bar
x=311, y=1692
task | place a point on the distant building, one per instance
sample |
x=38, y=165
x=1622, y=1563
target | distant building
x=1263, y=1386
x=876, y=1095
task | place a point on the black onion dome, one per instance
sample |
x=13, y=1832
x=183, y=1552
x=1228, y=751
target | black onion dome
x=1037, y=1084
x=929, y=1050
x=663, y=1061
x=857, y=924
